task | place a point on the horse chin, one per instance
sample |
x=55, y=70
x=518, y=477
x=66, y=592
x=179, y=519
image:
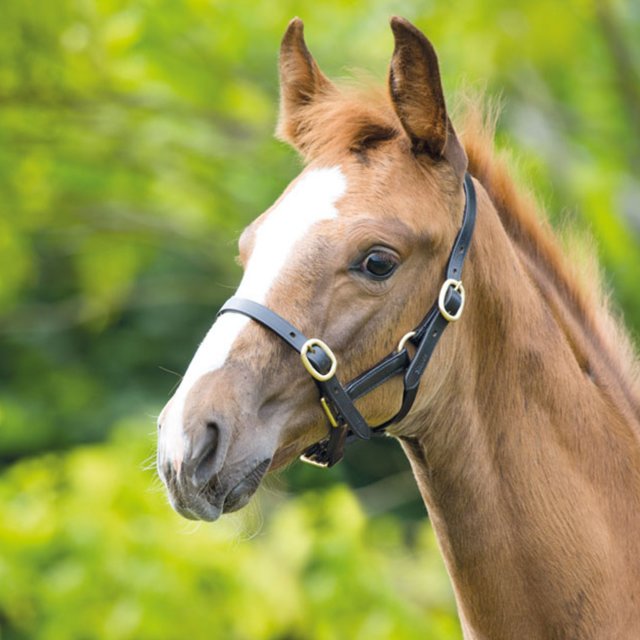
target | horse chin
x=285, y=456
x=289, y=453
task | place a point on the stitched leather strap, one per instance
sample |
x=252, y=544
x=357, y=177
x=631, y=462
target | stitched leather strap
x=380, y=373
x=463, y=239
x=344, y=411
x=267, y=318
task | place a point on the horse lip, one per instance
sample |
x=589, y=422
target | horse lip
x=240, y=494
x=198, y=509
x=211, y=501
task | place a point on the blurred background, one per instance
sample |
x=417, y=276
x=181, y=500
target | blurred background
x=135, y=144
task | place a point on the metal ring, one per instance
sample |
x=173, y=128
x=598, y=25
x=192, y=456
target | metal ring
x=314, y=373
x=457, y=285
x=403, y=341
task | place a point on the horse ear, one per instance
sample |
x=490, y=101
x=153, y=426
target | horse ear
x=300, y=82
x=417, y=96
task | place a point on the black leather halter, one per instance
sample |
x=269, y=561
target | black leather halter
x=346, y=422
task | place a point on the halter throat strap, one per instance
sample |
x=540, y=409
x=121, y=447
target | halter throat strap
x=346, y=422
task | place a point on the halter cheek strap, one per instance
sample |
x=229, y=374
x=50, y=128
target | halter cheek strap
x=346, y=422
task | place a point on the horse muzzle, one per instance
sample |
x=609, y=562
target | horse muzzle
x=197, y=496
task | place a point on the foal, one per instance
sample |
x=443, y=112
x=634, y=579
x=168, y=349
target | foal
x=524, y=435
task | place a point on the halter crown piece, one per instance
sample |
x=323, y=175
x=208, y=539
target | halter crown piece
x=345, y=421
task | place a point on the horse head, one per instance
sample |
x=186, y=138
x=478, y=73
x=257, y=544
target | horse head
x=352, y=252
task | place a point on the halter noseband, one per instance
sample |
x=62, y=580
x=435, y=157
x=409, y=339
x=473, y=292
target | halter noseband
x=346, y=422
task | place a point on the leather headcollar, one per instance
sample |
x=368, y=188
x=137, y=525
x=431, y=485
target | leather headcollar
x=345, y=421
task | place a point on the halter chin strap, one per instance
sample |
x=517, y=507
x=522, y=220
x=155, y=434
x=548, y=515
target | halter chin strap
x=346, y=422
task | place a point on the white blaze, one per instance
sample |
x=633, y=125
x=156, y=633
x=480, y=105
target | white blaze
x=310, y=200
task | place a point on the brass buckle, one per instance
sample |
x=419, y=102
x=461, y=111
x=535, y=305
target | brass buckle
x=332, y=420
x=314, y=373
x=457, y=285
x=403, y=341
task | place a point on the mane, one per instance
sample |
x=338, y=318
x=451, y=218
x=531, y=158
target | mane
x=571, y=266
x=356, y=114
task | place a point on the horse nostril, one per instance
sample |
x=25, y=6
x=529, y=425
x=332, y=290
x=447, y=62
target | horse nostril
x=205, y=453
x=214, y=431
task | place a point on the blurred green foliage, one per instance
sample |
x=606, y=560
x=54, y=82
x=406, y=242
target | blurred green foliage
x=88, y=554
x=134, y=146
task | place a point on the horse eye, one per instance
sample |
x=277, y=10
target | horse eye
x=379, y=264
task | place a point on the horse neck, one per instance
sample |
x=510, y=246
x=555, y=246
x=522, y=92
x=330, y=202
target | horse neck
x=528, y=459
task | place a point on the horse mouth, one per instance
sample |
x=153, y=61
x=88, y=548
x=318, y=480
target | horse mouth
x=215, y=498
x=242, y=492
